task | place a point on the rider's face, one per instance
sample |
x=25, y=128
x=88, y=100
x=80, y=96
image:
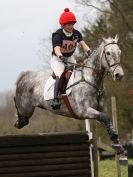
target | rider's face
x=69, y=27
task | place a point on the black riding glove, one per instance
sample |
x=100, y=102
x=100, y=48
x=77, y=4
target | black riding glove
x=63, y=59
x=88, y=53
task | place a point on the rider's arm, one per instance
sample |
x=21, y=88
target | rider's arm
x=57, y=43
x=57, y=51
x=84, y=46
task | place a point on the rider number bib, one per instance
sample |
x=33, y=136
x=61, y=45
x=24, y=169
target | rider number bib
x=68, y=46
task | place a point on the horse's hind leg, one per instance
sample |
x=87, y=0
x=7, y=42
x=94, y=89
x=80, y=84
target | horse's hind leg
x=103, y=119
x=117, y=146
x=107, y=123
x=23, y=115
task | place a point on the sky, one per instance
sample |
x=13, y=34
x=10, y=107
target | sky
x=25, y=27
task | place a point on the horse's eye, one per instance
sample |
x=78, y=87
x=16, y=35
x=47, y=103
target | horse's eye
x=108, y=53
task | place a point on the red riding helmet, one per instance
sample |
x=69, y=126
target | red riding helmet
x=67, y=17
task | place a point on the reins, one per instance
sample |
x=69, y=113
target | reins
x=94, y=69
x=83, y=66
x=83, y=78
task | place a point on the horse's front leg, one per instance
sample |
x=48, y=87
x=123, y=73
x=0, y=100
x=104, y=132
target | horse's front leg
x=103, y=119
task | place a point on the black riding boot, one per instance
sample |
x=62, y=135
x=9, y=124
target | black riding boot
x=56, y=101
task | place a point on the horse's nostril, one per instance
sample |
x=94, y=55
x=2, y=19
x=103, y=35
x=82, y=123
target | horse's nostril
x=118, y=76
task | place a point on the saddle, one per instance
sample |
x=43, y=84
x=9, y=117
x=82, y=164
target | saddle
x=66, y=79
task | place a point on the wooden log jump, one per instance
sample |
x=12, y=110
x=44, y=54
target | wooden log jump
x=45, y=155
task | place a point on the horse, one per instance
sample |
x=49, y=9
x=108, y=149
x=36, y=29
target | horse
x=88, y=93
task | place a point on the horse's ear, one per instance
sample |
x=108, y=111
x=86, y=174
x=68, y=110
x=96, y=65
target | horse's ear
x=116, y=38
x=104, y=39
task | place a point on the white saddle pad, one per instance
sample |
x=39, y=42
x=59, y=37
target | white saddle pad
x=49, y=87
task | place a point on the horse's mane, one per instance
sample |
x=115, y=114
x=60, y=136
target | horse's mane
x=97, y=50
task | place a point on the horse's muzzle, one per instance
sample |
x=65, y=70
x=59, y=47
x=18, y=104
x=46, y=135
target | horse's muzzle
x=118, y=76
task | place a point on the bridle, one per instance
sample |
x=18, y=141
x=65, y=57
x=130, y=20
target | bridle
x=106, y=58
x=101, y=56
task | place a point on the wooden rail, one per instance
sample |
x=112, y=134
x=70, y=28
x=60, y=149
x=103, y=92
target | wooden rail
x=46, y=155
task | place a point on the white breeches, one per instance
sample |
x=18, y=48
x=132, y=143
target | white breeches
x=58, y=66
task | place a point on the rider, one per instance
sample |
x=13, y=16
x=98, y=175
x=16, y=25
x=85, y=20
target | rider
x=64, y=42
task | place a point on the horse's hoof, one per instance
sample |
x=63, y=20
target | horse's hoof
x=118, y=148
x=21, y=123
x=18, y=125
x=123, y=160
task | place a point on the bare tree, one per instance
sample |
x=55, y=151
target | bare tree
x=103, y=6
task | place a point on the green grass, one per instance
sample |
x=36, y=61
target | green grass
x=107, y=168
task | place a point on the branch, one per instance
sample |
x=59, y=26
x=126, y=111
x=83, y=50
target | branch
x=87, y=3
x=121, y=14
x=105, y=11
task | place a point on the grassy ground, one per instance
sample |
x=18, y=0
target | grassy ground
x=107, y=168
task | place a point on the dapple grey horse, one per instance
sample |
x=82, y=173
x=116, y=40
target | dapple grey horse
x=87, y=98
